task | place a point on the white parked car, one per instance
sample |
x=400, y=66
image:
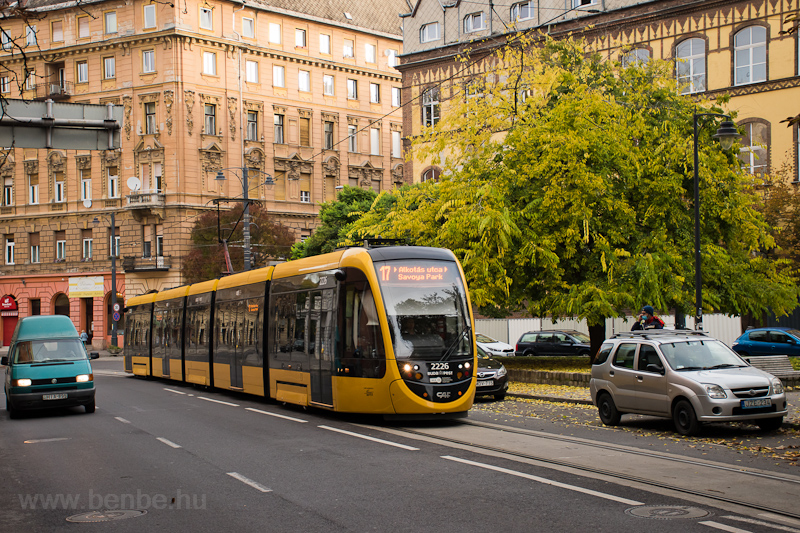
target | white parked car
x=494, y=347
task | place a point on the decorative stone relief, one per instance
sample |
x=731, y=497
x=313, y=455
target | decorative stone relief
x=188, y=98
x=305, y=113
x=31, y=166
x=232, y=115
x=126, y=103
x=84, y=162
x=168, y=101
x=330, y=169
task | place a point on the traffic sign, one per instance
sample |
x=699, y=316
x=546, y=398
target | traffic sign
x=116, y=317
x=116, y=307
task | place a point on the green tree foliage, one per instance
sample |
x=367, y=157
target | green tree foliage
x=568, y=190
x=336, y=218
x=269, y=240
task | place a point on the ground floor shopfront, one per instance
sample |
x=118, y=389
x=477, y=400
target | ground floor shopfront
x=84, y=297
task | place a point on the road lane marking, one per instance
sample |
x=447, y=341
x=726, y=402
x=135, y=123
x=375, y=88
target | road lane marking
x=168, y=442
x=723, y=527
x=122, y=420
x=218, y=401
x=276, y=415
x=366, y=437
x=761, y=523
x=544, y=480
x=37, y=441
x=173, y=390
x=247, y=481
x=779, y=518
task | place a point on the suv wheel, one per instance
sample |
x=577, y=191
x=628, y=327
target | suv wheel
x=685, y=419
x=770, y=424
x=529, y=353
x=608, y=410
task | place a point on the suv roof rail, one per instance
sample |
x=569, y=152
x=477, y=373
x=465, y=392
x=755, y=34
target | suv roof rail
x=653, y=333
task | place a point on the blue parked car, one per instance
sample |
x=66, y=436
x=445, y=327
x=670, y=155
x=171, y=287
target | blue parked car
x=768, y=341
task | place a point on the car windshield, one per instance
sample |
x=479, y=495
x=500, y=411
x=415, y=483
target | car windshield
x=482, y=354
x=426, y=306
x=581, y=337
x=49, y=351
x=480, y=337
x=793, y=333
x=700, y=355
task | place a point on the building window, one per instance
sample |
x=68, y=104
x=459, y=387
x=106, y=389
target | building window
x=252, y=125
x=206, y=19
x=8, y=191
x=83, y=27
x=110, y=19
x=274, y=33
x=248, y=27
x=113, y=182
x=61, y=246
x=750, y=55
x=754, y=148
x=324, y=44
x=83, y=72
x=691, y=66
x=35, y=258
x=149, y=61
x=429, y=32
x=375, y=141
x=396, y=96
x=33, y=189
x=327, y=128
x=9, y=250
x=430, y=106
x=30, y=36
x=305, y=197
x=305, y=131
x=473, y=22
x=370, y=53
x=87, y=249
x=397, y=146
x=580, y=3
x=57, y=31
x=374, y=93
x=348, y=49
x=304, y=81
x=251, y=74
x=637, y=56
x=431, y=174
x=150, y=118
x=86, y=185
x=113, y=244
x=150, y=16
x=352, y=90
x=158, y=182
x=210, y=63
x=210, y=113
x=30, y=79
x=352, y=139
x=159, y=245
x=61, y=193
x=327, y=85
x=522, y=11
x=392, y=61
x=5, y=85
x=278, y=76
x=299, y=38
x=278, y=121
x=109, y=68
x=6, y=40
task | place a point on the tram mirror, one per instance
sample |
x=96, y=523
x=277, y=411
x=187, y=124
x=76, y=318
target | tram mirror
x=340, y=274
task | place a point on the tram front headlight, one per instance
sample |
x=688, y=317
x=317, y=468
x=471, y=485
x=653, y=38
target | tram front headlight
x=407, y=368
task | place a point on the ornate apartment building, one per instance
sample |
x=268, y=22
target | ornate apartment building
x=302, y=91
x=733, y=47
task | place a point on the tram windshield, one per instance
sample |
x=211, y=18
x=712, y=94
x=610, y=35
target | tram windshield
x=426, y=307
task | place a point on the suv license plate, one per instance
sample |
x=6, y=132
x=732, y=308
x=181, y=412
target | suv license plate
x=62, y=396
x=488, y=383
x=760, y=402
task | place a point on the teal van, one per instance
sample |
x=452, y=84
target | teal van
x=47, y=366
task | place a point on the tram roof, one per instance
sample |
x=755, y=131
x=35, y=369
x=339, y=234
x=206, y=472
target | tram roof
x=203, y=286
x=141, y=299
x=315, y=263
x=179, y=292
x=246, y=278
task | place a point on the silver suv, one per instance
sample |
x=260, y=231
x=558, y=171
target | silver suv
x=684, y=375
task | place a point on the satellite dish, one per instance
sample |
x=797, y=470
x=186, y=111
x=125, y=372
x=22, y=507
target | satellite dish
x=134, y=184
x=87, y=203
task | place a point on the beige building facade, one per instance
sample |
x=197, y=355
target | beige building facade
x=303, y=93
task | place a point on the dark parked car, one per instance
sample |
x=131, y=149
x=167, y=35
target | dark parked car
x=556, y=342
x=492, y=378
x=768, y=341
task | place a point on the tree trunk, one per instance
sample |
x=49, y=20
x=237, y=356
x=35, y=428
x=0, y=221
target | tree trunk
x=597, y=334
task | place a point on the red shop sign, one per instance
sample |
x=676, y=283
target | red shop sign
x=8, y=303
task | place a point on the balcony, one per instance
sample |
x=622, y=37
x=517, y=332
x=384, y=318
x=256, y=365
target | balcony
x=160, y=263
x=146, y=199
x=57, y=91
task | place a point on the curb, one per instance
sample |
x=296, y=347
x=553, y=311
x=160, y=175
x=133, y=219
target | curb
x=554, y=399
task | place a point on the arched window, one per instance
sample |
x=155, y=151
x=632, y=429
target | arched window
x=691, y=66
x=750, y=55
x=635, y=56
x=754, y=154
x=431, y=173
x=522, y=11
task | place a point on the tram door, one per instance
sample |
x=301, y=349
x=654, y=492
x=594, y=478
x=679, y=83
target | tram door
x=238, y=337
x=320, y=345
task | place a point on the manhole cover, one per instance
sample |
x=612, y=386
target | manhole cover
x=105, y=516
x=667, y=512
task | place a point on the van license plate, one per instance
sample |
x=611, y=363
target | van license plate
x=484, y=383
x=760, y=402
x=62, y=396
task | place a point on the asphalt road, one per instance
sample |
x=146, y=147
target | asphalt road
x=158, y=455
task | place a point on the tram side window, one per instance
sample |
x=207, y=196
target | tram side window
x=359, y=342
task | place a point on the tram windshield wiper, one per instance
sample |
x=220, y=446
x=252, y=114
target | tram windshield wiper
x=447, y=353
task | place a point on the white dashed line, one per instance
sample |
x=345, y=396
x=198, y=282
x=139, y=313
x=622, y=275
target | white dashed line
x=175, y=391
x=723, y=527
x=373, y=439
x=218, y=401
x=122, y=420
x=276, y=415
x=37, y=441
x=250, y=482
x=168, y=442
x=761, y=523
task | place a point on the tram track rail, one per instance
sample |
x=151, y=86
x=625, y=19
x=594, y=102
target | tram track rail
x=613, y=474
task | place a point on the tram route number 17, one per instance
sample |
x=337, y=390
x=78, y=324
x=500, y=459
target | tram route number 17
x=412, y=273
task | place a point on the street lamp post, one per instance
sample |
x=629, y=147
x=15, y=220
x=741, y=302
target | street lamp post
x=113, y=247
x=727, y=134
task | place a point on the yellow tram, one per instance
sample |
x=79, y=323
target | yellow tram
x=374, y=329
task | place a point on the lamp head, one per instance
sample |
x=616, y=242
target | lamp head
x=727, y=134
x=268, y=181
x=220, y=176
x=96, y=221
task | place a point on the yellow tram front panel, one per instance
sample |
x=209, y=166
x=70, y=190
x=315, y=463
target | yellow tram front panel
x=362, y=395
